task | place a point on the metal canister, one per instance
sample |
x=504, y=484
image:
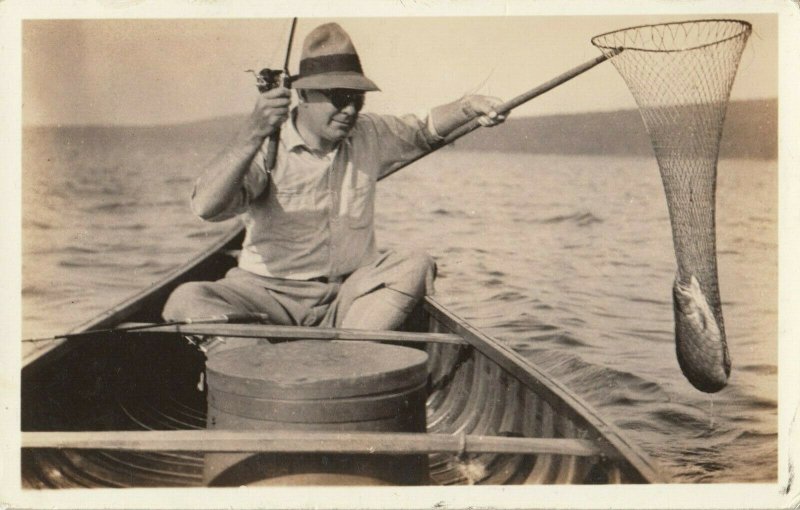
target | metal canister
x=317, y=386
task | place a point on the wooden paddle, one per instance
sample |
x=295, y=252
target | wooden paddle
x=280, y=441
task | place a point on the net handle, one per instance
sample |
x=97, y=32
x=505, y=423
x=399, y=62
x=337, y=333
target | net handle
x=509, y=105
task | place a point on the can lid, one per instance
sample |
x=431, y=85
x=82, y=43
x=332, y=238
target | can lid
x=311, y=369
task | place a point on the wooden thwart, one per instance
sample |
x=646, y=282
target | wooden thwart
x=309, y=442
x=298, y=333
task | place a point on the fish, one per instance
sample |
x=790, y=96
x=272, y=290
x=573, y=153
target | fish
x=699, y=341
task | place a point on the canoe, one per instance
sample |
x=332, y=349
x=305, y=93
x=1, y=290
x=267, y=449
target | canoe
x=125, y=409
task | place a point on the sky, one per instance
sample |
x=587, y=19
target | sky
x=157, y=71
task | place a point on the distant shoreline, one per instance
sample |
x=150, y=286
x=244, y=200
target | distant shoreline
x=750, y=132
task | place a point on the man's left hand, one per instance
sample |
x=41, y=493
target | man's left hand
x=486, y=106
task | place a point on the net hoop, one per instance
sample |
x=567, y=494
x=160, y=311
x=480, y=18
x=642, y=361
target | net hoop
x=625, y=38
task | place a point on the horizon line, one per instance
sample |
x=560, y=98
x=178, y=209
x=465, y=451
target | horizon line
x=186, y=123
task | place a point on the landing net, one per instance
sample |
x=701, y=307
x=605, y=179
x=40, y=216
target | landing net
x=681, y=76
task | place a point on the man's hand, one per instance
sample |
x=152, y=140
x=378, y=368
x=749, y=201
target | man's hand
x=448, y=117
x=270, y=112
x=485, y=106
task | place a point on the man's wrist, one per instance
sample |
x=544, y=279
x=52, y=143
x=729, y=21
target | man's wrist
x=249, y=141
x=467, y=109
x=430, y=126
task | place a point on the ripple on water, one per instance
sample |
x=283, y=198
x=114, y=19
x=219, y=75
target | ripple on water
x=509, y=296
x=111, y=207
x=581, y=219
x=758, y=369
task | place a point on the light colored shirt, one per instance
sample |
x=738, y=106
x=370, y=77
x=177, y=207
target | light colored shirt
x=314, y=216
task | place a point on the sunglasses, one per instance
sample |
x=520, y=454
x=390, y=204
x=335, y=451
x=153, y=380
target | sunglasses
x=341, y=98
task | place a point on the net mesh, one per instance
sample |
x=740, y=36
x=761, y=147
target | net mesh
x=680, y=75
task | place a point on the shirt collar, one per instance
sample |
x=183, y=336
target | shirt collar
x=291, y=136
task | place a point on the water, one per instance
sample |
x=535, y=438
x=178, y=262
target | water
x=568, y=259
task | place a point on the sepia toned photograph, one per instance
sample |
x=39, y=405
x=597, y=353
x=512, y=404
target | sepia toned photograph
x=420, y=252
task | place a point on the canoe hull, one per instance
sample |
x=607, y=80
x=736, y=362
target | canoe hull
x=153, y=382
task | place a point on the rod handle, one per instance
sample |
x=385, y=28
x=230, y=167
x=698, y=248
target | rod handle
x=272, y=151
x=272, y=147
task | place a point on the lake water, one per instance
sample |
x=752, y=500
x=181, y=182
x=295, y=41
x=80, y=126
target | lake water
x=568, y=259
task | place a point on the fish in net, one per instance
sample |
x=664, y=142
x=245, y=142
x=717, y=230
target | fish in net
x=680, y=75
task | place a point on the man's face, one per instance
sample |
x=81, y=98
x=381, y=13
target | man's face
x=332, y=113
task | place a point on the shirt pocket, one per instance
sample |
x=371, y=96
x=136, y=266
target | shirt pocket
x=360, y=206
x=294, y=212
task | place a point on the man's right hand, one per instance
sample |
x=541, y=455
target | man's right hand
x=270, y=112
x=220, y=186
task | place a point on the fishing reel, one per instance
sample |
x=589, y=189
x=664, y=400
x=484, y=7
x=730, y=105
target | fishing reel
x=267, y=79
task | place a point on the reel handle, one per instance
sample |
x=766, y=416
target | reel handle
x=267, y=79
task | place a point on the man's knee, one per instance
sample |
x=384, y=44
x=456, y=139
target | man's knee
x=421, y=264
x=419, y=273
x=184, y=300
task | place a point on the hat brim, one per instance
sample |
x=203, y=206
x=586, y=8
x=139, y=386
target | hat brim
x=336, y=80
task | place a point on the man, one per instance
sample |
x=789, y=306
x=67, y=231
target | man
x=309, y=256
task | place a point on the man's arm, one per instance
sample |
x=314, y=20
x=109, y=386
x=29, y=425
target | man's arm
x=414, y=136
x=222, y=180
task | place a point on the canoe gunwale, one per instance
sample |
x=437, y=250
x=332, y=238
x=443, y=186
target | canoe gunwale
x=55, y=349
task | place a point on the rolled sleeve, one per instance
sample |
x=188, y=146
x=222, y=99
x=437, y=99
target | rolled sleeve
x=435, y=137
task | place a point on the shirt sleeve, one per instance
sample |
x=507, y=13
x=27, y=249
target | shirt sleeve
x=400, y=139
x=254, y=183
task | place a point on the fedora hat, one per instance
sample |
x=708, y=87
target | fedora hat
x=329, y=61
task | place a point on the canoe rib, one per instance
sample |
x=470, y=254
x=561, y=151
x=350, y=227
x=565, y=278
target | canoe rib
x=563, y=401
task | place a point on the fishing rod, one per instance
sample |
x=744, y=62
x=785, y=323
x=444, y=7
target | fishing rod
x=228, y=318
x=268, y=80
x=509, y=105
